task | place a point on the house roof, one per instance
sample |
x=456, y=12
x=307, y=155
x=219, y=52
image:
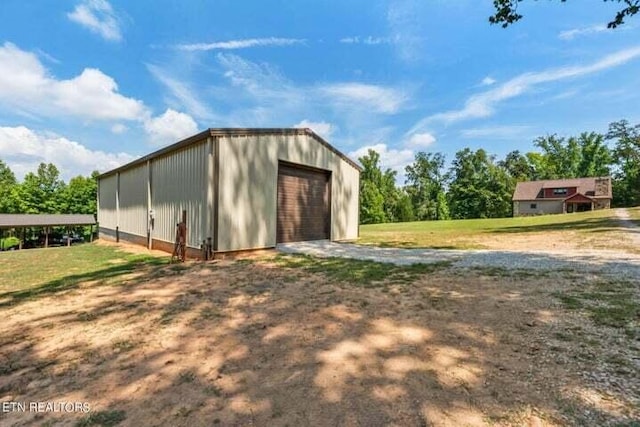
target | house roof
x=529, y=190
x=232, y=132
x=44, y=220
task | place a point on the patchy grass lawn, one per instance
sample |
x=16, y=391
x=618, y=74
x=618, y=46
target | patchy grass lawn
x=597, y=229
x=634, y=213
x=290, y=340
x=32, y=272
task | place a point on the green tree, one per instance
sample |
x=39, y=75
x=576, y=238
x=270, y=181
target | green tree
x=506, y=12
x=518, y=166
x=626, y=178
x=425, y=186
x=595, y=156
x=443, y=206
x=8, y=185
x=378, y=193
x=79, y=196
x=404, y=207
x=479, y=188
x=586, y=155
x=541, y=169
x=41, y=192
x=371, y=203
x=562, y=159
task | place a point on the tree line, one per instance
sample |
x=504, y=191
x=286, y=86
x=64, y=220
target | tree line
x=44, y=192
x=478, y=185
x=475, y=185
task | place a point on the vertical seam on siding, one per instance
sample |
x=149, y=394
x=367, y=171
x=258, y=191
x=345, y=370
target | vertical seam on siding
x=216, y=191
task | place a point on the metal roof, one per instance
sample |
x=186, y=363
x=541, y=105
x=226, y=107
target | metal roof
x=232, y=132
x=44, y=220
x=529, y=190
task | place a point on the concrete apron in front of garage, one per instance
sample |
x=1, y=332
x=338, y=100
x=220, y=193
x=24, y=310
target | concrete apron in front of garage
x=616, y=263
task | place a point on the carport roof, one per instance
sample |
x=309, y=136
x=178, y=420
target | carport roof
x=44, y=220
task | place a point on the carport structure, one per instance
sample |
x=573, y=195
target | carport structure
x=21, y=222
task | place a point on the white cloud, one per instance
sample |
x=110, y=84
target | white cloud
x=240, y=44
x=26, y=85
x=576, y=32
x=488, y=81
x=23, y=149
x=261, y=81
x=260, y=95
x=391, y=158
x=99, y=17
x=323, y=129
x=379, y=98
x=119, y=128
x=421, y=140
x=484, y=104
x=369, y=40
x=170, y=127
x=496, y=132
x=182, y=93
x=267, y=85
x=406, y=19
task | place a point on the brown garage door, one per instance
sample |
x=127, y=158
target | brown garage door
x=303, y=204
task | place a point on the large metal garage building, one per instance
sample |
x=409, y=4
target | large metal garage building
x=241, y=189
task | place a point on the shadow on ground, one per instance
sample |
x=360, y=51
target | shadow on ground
x=275, y=343
x=595, y=225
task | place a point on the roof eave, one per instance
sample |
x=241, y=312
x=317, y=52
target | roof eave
x=231, y=132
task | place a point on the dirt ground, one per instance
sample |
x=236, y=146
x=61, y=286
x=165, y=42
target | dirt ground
x=239, y=343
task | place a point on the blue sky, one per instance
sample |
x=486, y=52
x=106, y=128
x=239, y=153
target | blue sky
x=91, y=84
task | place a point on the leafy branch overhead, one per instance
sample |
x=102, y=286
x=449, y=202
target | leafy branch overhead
x=507, y=12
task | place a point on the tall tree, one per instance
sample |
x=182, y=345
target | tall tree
x=378, y=193
x=425, y=186
x=541, y=169
x=518, y=166
x=404, y=208
x=506, y=12
x=479, y=188
x=7, y=189
x=561, y=159
x=626, y=182
x=41, y=192
x=595, y=156
x=79, y=196
x=586, y=155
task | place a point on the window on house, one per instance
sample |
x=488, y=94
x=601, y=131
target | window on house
x=559, y=191
x=534, y=206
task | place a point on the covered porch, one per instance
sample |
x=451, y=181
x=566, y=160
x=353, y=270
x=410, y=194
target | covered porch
x=577, y=203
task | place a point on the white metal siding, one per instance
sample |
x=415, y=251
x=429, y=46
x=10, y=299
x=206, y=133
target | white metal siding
x=133, y=201
x=107, y=216
x=248, y=185
x=178, y=182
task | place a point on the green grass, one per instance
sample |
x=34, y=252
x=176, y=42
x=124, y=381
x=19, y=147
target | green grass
x=634, y=213
x=103, y=418
x=31, y=272
x=613, y=303
x=9, y=242
x=468, y=233
x=359, y=272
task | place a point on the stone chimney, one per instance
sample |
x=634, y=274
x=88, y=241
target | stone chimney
x=602, y=186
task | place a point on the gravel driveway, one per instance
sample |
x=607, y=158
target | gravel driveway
x=613, y=263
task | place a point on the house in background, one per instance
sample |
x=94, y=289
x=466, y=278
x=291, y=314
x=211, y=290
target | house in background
x=562, y=196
